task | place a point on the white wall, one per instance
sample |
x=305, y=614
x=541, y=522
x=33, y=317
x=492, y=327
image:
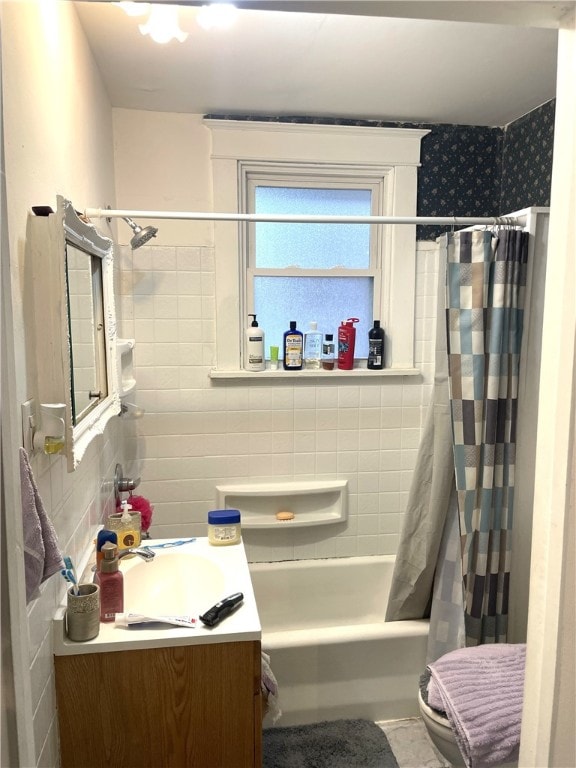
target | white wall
x=547, y=731
x=198, y=433
x=58, y=139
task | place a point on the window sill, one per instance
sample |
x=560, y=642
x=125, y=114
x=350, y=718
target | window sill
x=356, y=373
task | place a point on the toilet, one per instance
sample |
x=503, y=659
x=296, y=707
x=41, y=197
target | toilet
x=442, y=735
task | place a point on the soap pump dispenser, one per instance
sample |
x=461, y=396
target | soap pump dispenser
x=128, y=534
x=254, y=359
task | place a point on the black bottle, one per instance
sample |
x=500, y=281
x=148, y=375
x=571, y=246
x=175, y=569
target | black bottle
x=376, y=347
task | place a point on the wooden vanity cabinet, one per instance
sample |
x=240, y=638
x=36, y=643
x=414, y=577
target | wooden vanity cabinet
x=194, y=706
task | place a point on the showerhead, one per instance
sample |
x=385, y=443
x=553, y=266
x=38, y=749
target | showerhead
x=141, y=234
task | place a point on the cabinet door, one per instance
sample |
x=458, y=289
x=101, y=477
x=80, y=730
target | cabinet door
x=179, y=707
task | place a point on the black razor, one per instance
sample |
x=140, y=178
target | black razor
x=214, y=615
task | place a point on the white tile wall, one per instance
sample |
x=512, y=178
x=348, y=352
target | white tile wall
x=76, y=503
x=198, y=433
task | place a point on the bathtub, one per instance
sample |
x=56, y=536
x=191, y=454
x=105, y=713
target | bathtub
x=330, y=649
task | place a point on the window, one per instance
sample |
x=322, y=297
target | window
x=304, y=272
x=321, y=272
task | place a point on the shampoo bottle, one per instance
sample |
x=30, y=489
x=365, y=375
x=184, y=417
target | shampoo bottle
x=111, y=584
x=313, y=347
x=254, y=359
x=346, y=344
x=293, y=348
x=376, y=347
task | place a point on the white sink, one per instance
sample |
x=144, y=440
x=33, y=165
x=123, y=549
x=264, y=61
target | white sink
x=183, y=580
x=173, y=583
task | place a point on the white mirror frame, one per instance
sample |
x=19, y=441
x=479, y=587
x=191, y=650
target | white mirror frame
x=47, y=237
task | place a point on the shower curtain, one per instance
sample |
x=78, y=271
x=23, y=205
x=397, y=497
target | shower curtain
x=485, y=281
x=429, y=496
x=485, y=286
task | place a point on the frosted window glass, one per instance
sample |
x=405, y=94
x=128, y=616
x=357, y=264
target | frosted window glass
x=328, y=300
x=312, y=246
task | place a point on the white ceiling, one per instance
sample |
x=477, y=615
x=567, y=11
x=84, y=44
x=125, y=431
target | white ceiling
x=332, y=65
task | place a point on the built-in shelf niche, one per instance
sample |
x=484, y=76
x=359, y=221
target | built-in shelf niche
x=319, y=502
x=125, y=362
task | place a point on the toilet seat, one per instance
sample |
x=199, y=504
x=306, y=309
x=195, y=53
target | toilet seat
x=441, y=733
x=433, y=714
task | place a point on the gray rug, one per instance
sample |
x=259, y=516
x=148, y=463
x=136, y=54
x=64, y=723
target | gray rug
x=335, y=744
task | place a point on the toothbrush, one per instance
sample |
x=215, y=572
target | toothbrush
x=169, y=544
x=69, y=576
x=70, y=567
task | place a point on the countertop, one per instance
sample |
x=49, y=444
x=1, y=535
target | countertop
x=242, y=625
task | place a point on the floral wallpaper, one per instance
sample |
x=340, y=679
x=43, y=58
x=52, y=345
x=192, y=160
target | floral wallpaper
x=527, y=159
x=460, y=174
x=469, y=170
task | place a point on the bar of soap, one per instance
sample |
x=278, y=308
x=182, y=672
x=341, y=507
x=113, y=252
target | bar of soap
x=284, y=515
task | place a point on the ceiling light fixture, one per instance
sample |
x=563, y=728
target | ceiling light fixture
x=162, y=25
x=217, y=16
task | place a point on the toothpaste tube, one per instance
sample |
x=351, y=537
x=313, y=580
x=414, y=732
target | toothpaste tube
x=139, y=620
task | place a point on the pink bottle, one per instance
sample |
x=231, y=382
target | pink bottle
x=111, y=583
x=346, y=343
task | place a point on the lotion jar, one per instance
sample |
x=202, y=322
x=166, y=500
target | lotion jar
x=224, y=527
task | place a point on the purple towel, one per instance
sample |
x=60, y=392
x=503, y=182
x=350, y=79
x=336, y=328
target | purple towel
x=42, y=556
x=481, y=691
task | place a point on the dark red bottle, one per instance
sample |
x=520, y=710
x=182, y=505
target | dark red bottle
x=346, y=343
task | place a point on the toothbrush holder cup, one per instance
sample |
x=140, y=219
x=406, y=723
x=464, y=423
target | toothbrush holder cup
x=83, y=613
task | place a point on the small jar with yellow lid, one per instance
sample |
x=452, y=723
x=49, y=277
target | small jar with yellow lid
x=224, y=527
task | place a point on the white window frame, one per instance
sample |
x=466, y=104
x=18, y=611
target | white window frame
x=388, y=156
x=275, y=174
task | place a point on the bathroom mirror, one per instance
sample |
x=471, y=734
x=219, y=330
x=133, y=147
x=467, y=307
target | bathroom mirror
x=87, y=332
x=75, y=322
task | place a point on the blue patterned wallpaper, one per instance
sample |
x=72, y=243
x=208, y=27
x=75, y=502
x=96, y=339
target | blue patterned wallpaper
x=527, y=159
x=469, y=170
x=460, y=174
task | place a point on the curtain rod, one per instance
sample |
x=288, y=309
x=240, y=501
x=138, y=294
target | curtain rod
x=455, y=221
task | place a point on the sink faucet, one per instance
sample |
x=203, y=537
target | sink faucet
x=143, y=552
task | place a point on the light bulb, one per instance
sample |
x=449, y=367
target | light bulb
x=132, y=8
x=162, y=25
x=217, y=16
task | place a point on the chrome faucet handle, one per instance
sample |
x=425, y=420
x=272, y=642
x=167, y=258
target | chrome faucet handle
x=123, y=484
x=126, y=484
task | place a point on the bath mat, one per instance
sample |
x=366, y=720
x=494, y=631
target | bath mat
x=334, y=744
